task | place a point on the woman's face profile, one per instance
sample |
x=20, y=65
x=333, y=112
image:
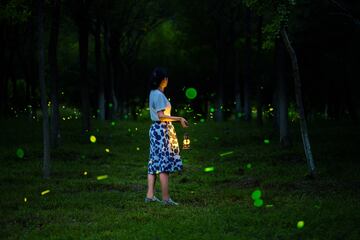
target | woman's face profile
x=164, y=83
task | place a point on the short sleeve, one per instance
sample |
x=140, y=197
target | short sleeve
x=160, y=102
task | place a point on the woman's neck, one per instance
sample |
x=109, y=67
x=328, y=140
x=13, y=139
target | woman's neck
x=161, y=89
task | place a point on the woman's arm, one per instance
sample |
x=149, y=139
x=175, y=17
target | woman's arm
x=166, y=118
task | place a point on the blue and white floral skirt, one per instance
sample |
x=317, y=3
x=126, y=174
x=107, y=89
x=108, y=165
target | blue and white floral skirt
x=164, y=149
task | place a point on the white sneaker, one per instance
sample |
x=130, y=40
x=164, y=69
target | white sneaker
x=169, y=202
x=153, y=199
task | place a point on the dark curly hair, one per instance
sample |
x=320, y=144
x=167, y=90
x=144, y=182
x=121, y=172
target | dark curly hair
x=157, y=75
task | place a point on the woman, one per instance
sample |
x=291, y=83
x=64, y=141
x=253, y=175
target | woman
x=164, y=148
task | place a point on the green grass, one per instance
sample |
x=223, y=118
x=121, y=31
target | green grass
x=214, y=205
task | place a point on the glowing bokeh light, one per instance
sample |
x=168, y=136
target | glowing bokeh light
x=107, y=150
x=20, y=153
x=138, y=149
x=85, y=173
x=112, y=123
x=248, y=166
x=191, y=93
x=300, y=224
x=226, y=153
x=102, y=177
x=45, y=192
x=266, y=141
x=256, y=194
x=92, y=139
x=258, y=202
x=25, y=199
x=212, y=109
x=209, y=169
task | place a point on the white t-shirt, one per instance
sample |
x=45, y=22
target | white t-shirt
x=158, y=102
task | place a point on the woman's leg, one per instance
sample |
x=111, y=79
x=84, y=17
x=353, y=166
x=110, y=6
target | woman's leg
x=151, y=185
x=164, y=180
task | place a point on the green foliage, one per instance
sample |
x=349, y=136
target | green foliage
x=163, y=43
x=67, y=112
x=277, y=13
x=14, y=11
x=142, y=113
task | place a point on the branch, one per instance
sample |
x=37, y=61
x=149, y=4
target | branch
x=346, y=12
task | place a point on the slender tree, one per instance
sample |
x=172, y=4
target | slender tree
x=3, y=74
x=41, y=69
x=83, y=29
x=299, y=101
x=99, y=75
x=54, y=73
x=277, y=27
x=220, y=50
x=282, y=98
x=260, y=72
x=238, y=102
x=109, y=80
x=247, y=64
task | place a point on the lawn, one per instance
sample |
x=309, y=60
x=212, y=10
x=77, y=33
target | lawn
x=214, y=204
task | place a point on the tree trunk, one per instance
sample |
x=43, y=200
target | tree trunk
x=99, y=76
x=238, y=107
x=114, y=47
x=219, y=116
x=44, y=108
x=282, y=100
x=14, y=95
x=260, y=75
x=54, y=75
x=108, y=71
x=28, y=94
x=83, y=55
x=3, y=86
x=247, y=65
x=349, y=88
x=3, y=95
x=30, y=67
x=3, y=78
x=298, y=96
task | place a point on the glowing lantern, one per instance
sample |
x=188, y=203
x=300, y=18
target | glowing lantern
x=186, y=141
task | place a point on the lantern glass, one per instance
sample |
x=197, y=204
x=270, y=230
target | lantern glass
x=186, y=141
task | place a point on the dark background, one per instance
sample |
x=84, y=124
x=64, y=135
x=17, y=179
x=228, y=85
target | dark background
x=223, y=49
